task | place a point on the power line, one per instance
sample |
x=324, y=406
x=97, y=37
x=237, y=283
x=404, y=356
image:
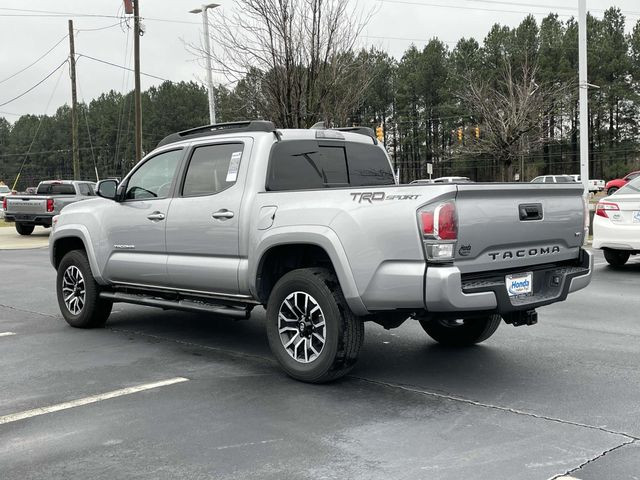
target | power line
x=36, y=85
x=501, y=2
x=36, y=61
x=52, y=13
x=80, y=55
x=97, y=29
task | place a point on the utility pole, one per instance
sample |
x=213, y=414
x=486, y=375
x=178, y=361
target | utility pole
x=137, y=100
x=74, y=106
x=584, y=86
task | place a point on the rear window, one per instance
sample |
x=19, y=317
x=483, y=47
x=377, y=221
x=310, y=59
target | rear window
x=309, y=164
x=56, y=189
x=632, y=187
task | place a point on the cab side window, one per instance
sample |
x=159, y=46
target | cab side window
x=85, y=189
x=153, y=179
x=212, y=169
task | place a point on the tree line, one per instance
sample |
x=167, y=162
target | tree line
x=490, y=110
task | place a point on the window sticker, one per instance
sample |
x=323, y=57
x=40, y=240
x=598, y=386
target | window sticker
x=234, y=164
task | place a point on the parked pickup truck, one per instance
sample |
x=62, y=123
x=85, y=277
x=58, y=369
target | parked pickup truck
x=27, y=211
x=595, y=185
x=311, y=225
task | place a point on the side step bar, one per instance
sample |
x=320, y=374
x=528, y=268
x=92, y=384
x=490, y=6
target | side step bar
x=178, y=304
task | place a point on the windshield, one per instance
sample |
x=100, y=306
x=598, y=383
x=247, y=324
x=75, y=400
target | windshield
x=4, y=189
x=632, y=187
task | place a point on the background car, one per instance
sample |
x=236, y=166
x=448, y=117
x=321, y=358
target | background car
x=452, y=180
x=595, y=185
x=553, y=179
x=4, y=191
x=613, y=185
x=616, y=224
x=421, y=181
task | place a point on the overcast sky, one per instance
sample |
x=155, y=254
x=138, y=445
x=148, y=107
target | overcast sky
x=30, y=29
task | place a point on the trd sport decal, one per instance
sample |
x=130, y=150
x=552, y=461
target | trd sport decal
x=371, y=197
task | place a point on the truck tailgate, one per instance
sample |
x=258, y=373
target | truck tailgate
x=512, y=226
x=26, y=205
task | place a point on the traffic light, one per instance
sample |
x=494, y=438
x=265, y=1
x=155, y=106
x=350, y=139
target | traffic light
x=477, y=129
x=380, y=133
x=459, y=134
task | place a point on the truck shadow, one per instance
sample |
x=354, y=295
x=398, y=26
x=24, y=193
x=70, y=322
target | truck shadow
x=409, y=358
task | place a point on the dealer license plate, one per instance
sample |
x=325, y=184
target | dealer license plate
x=519, y=284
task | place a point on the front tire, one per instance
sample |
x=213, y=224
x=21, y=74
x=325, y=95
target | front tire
x=79, y=294
x=311, y=330
x=616, y=258
x=461, y=332
x=612, y=190
x=24, y=229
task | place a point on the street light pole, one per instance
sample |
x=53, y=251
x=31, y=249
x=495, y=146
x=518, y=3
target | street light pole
x=583, y=86
x=207, y=48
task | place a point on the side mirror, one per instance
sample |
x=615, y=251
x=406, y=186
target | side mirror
x=107, y=188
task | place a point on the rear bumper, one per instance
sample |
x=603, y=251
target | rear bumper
x=607, y=234
x=40, y=219
x=447, y=290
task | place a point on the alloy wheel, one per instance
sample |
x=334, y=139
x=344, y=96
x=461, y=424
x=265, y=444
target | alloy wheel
x=302, y=328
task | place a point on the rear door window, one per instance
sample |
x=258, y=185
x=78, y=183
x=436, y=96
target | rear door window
x=212, y=169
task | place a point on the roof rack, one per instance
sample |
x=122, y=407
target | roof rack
x=218, y=129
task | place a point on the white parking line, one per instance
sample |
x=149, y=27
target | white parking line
x=6, y=334
x=14, y=417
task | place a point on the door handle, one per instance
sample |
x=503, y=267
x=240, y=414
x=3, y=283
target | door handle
x=156, y=216
x=224, y=213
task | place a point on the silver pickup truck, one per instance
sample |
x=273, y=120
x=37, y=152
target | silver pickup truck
x=312, y=225
x=27, y=211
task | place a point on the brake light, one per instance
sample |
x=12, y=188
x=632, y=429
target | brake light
x=4, y=203
x=447, y=221
x=427, y=222
x=603, y=207
x=439, y=227
x=440, y=221
x=49, y=204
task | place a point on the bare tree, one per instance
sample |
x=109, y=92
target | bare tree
x=511, y=111
x=301, y=53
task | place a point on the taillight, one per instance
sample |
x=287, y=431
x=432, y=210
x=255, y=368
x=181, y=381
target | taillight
x=427, y=222
x=4, y=203
x=49, y=204
x=440, y=221
x=439, y=227
x=603, y=207
x=447, y=222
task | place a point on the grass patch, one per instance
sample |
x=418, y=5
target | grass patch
x=5, y=224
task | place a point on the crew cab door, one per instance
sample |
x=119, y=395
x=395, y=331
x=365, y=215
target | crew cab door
x=135, y=225
x=204, y=218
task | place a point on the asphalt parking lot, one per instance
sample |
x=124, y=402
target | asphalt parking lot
x=168, y=395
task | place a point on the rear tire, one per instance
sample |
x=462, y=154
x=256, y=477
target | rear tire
x=461, y=332
x=612, y=190
x=311, y=330
x=24, y=229
x=79, y=294
x=616, y=258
